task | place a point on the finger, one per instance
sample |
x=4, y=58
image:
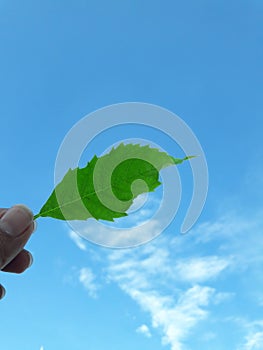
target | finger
x=20, y=263
x=16, y=226
x=16, y=220
x=2, y=291
x=2, y=211
x=14, y=246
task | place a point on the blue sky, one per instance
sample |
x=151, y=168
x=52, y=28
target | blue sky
x=61, y=60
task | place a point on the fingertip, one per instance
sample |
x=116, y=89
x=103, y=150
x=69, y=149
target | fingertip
x=25, y=208
x=17, y=220
x=35, y=226
x=2, y=292
x=30, y=259
x=20, y=263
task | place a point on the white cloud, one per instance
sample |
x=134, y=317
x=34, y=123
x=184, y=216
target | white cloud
x=223, y=296
x=87, y=278
x=144, y=329
x=201, y=269
x=80, y=243
x=174, y=317
x=174, y=278
x=155, y=260
x=42, y=347
x=147, y=275
x=232, y=231
x=254, y=341
x=254, y=337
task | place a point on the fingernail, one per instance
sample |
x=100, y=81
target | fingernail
x=2, y=291
x=16, y=220
x=35, y=226
x=25, y=207
x=30, y=259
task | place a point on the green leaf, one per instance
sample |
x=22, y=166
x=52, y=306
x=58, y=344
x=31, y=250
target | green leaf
x=106, y=187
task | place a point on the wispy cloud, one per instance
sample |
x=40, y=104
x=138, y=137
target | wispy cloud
x=175, y=318
x=254, y=334
x=254, y=341
x=87, y=278
x=174, y=311
x=80, y=243
x=179, y=280
x=201, y=269
x=144, y=329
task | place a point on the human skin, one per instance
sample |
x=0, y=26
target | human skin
x=16, y=227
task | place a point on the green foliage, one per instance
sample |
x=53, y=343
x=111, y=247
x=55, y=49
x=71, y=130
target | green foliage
x=107, y=186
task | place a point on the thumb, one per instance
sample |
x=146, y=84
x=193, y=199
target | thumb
x=16, y=226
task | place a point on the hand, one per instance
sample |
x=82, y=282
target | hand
x=16, y=227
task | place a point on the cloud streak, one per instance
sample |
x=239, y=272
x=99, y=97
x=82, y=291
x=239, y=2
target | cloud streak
x=174, y=318
x=179, y=281
x=144, y=329
x=87, y=279
x=201, y=269
x=80, y=243
x=175, y=311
